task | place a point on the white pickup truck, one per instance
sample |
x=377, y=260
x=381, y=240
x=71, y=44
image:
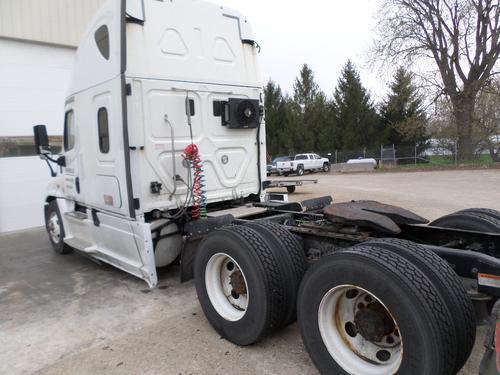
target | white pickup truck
x=302, y=163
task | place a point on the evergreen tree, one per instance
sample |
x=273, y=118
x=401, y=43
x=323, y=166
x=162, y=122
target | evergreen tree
x=323, y=124
x=291, y=132
x=276, y=119
x=403, y=117
x=305, y=92
x=357, y=121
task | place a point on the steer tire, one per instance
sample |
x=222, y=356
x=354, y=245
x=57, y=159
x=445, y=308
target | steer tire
x=269, y=292
x=290, y=189
x=293, y=259
x=469, y=220
x=58, y=244
x=448, y=284
x=326, y=167
x=413, y=301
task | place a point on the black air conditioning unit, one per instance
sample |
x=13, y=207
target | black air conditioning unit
x=240, y=113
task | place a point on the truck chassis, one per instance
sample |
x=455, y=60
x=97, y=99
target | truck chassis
x=451, y=260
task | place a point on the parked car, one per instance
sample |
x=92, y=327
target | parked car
x=302, y=163
x=272, y=167
x=361, y=160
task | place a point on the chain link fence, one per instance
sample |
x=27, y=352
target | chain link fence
x=433, y=154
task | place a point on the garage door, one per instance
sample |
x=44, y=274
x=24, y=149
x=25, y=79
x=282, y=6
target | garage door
x=34, y=80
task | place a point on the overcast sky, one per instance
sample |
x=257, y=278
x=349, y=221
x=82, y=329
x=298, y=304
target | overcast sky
x=321, y=33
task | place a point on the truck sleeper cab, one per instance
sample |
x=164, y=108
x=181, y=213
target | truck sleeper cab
x=150, y=79
x=164, y=123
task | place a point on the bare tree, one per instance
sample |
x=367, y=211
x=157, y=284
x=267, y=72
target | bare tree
x=462, y=39
x=488, y=118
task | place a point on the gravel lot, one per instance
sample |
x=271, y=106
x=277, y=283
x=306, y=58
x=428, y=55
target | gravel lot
x=68, y=315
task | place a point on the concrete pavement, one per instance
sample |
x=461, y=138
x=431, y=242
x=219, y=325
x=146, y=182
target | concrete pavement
x=68, y=315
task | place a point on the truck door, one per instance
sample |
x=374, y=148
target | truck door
x=107, y=164
x=318, y=163
x=309, y=163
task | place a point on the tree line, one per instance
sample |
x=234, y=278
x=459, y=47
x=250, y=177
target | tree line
x=310, y=121
x=454, y=45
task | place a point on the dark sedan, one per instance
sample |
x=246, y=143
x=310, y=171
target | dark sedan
x=271, y=168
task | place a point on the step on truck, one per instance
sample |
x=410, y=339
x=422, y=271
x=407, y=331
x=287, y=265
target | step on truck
x=164, y=152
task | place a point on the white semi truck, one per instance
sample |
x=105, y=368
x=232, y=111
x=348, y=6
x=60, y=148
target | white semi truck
x=164, y=134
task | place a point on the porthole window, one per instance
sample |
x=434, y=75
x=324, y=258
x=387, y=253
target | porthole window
x=103, y=130
x=102, y=40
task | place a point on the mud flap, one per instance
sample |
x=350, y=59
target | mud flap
x=490, y=363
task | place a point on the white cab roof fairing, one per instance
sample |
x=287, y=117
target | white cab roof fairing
x=194, y=41
x=91, y=67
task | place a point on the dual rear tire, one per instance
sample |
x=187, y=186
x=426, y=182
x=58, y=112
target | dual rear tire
x=383, y=307
x=476, y=219
x=370, y=310
x=247, y=280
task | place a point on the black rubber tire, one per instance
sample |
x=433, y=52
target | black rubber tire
x=270, y=295
x=286, y=174
x=448, y=283
x=292, y=260
x=59, y=247
x=300, y=170
x=486, y=211
x=469, y=220
x=326, y=167
x=423, y=319
x=290, y=189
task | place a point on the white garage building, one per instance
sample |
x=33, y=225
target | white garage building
x=38, y=40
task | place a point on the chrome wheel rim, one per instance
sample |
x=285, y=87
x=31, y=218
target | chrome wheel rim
x=54, y=227
x=359, y=332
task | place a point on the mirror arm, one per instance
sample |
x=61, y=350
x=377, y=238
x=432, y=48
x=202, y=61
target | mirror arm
x=52, y=172
x=50, y=158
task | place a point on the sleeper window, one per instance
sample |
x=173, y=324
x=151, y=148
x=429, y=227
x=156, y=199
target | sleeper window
x=69, y=130
x=102, y=40
x=103, y=130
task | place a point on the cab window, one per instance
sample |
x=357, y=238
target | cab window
x=103, y=130
x=69, y=130
x=101, y=37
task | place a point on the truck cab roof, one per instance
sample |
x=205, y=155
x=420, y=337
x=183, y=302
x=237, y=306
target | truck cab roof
x=190, y=40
